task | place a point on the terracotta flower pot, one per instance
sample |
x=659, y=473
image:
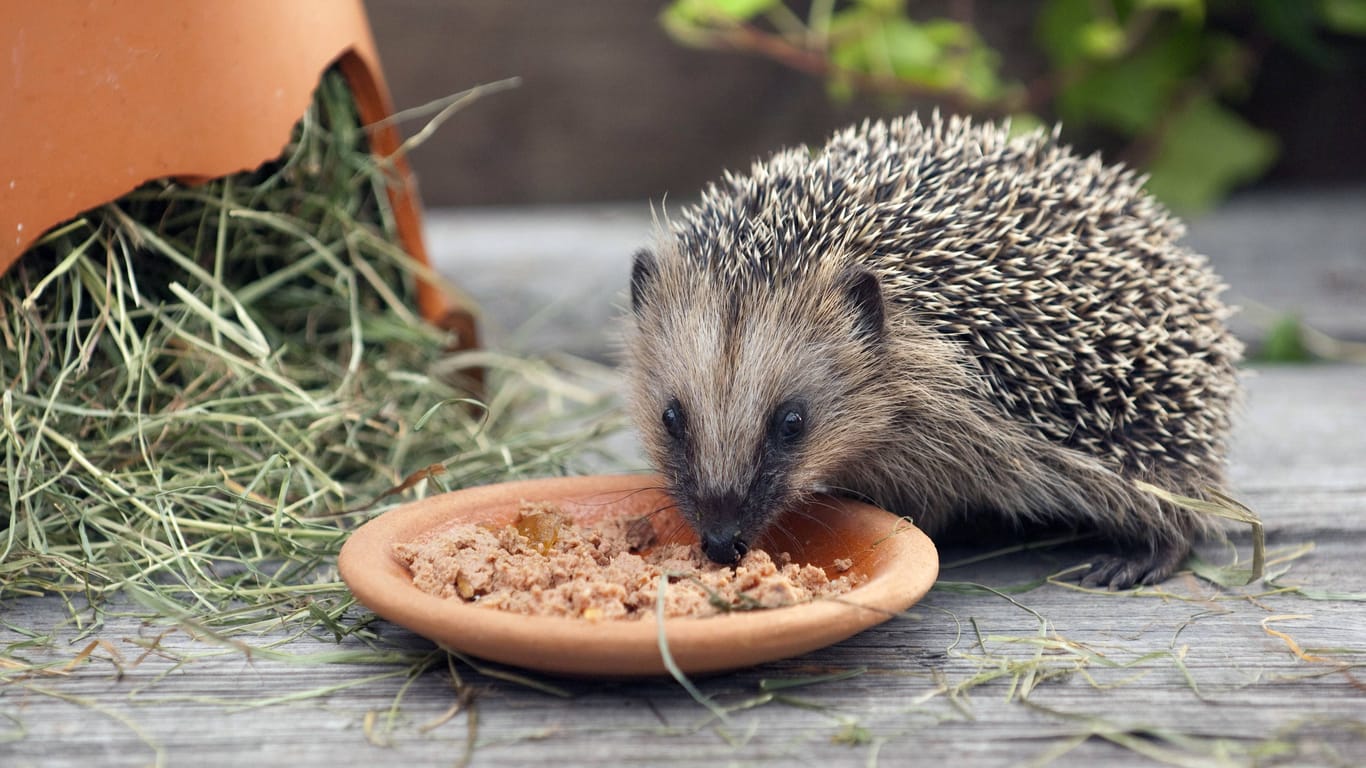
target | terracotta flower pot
x=96, y=99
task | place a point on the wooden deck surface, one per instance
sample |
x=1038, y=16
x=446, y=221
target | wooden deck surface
x=993, y=668
x=1188, y=674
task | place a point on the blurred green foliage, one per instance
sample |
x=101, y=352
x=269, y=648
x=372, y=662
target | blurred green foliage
x=1157, y=74
x=1284, y=343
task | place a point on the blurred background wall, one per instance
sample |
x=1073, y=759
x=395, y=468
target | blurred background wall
x=611, y=108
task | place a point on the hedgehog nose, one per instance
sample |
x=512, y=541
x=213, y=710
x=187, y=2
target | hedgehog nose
x=723, y=547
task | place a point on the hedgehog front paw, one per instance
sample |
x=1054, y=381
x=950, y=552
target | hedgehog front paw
x=1146, y=564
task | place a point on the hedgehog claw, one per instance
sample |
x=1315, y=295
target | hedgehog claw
x=1114, y=573
x=1145, y=567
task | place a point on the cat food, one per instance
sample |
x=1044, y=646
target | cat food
x=545, y=564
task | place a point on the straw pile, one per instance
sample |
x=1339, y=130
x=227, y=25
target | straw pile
x=202, y=385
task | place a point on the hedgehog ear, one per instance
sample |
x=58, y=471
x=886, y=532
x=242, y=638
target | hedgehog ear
x=864, y=294
x=642, y=272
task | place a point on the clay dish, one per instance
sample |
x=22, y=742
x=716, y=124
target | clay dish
x=898, y=560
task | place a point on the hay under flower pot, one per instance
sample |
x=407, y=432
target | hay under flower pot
x=102, y=98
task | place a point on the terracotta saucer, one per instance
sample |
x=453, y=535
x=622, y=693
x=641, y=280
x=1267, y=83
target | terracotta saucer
x=900, y=562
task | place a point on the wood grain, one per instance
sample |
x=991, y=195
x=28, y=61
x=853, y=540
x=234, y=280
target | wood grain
x=1193, y=677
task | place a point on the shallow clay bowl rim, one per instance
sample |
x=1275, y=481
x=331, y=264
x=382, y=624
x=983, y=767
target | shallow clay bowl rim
x=899, y=560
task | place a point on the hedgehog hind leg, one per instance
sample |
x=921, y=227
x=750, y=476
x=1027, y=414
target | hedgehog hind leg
x=1144, y=564
x=1154, y=537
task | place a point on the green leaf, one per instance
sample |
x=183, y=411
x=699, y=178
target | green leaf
x=1345, y=16
x=1207, y=151
x=743, y=10
x=1059, y=30
x=851, y=31
x=1284, y=342
x=884, y=7
x=1023, y=123
x=965, y=62
x=912, y=52
x=939, y=54
x=1129, y=94
x=898, y=47
x=1102, y=39
x=1294, y=24
x=714, y=11
x=1191, y=10
x=950, y=34
x=980, y=78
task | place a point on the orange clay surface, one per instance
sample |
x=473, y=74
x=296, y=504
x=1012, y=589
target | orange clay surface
x=100, y=98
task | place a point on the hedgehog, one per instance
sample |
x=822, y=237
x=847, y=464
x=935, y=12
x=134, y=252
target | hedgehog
x=975, y=330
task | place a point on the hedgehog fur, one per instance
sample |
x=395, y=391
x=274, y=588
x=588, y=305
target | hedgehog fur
x=961, y=326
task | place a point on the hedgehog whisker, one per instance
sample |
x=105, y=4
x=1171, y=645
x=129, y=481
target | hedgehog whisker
x=780, y=529
x=678, y=526
x=658, y=510
x=621, y=496
x=800, y=511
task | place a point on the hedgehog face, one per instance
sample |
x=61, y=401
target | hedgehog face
x=750, y=398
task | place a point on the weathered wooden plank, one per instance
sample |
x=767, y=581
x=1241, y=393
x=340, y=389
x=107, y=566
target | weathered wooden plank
x=1297, y=460
x=1236, y=664
x=1301, y=428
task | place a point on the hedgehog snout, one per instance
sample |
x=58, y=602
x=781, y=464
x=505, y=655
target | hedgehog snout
x=724, y=547
x=718, y=527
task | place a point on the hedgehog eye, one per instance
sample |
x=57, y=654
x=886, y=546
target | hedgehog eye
x=673, y=420
x=789, y=422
